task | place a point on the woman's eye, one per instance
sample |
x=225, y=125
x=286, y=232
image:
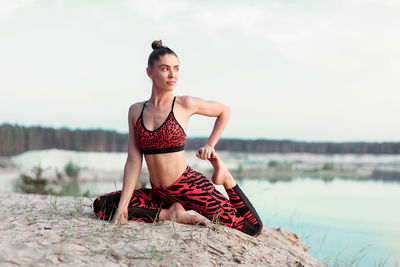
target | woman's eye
x=177, y=69
x=164, y=69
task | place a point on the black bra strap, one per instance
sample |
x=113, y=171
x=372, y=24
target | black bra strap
x=141, y=114
x=173, y=103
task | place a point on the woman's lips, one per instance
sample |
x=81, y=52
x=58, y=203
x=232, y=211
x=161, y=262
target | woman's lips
x=171, y=83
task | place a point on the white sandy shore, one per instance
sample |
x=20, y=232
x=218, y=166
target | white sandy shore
x=40, y=230
x=112, y=161
x=104, y=165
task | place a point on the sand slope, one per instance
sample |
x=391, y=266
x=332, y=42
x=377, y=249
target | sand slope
x=44, y=230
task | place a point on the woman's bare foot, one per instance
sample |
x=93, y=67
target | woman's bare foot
x=178, y=213
x=221, y=175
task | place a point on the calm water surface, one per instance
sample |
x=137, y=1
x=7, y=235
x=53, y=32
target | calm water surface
x=342, y=221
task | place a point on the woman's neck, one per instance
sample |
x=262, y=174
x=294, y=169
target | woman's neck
x=160, y=97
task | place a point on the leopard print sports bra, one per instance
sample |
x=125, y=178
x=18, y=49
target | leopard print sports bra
x=169, y=137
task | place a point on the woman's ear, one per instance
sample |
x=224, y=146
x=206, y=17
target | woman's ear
x=149, y=72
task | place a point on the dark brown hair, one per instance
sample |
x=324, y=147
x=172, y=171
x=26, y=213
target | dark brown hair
x=158, y=51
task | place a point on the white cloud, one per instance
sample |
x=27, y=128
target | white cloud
x=8, y=7
x=160, y=15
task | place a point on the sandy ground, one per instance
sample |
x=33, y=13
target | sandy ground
x=38, y=230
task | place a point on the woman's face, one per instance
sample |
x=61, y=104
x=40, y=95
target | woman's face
x=165, y=72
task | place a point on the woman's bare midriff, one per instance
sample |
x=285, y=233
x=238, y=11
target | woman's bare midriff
x=165, y=169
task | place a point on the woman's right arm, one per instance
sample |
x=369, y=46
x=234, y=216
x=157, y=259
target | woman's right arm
x=132, y=169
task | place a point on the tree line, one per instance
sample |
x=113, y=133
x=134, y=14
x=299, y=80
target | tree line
x=15, y=139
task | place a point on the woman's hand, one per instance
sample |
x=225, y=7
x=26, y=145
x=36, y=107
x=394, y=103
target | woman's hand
x=205, y=152
x=121, y=216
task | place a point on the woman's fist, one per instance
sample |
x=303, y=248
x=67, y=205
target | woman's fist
x=205, y=152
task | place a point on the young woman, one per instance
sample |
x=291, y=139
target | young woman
x=157, y=130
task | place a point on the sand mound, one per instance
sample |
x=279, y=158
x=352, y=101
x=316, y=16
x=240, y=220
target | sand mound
x=44, y=230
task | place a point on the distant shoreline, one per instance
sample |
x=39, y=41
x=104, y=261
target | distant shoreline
x=103, y=166
x=16, y=139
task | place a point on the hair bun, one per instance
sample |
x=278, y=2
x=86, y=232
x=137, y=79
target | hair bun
x=156, y=44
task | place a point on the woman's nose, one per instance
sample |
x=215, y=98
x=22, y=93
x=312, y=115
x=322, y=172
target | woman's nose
x=172, y=74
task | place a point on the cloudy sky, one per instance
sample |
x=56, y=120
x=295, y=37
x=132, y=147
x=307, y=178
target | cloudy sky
x=289, y=69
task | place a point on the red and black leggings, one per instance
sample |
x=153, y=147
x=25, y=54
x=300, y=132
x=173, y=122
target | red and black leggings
x=195, y=192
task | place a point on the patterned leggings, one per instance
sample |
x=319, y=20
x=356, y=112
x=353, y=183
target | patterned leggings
x=195, y=192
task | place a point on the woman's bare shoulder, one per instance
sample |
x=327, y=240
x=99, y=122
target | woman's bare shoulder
x=135, y=109
x=137, y=105
x=187, y=100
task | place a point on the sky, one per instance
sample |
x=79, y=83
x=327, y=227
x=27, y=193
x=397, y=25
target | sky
x=291, y=69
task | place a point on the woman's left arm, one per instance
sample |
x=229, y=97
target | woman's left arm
x=210, y=109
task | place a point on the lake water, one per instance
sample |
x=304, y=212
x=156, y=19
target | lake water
x=343, y=222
